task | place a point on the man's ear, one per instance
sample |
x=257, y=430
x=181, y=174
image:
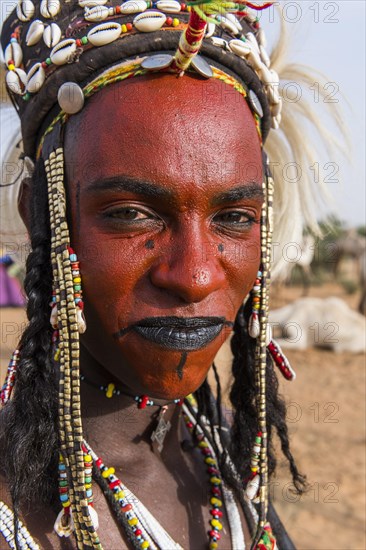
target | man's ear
x=24, y=198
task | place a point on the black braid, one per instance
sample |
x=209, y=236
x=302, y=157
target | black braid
x=30, y=418
x=243, y=395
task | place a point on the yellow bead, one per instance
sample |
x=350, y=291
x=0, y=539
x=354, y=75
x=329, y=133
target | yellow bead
x=66, y=504
x=216, y=502
x=120, y=494
x=57, y=355
x=210, y=460
x=175, y=22
x=110, y=390
x=216, y=523
x=88, y=458
x=145, y=544
x=215, y=480
x=11, y=67
x=124, y=28
x=77, y=280
x=108, y=472
x=202, y=444
x=213, y=545
x=133, y=521
x=88, y=485
x=254, y=469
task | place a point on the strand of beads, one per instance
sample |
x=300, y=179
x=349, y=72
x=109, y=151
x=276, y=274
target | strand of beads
x=253, y=325
x=64, y=525
x=25, y=540
x=252, y=487
x=10, y=378
x=134, y=527
x=78, y=297
x=144, y=401
x=215, y=482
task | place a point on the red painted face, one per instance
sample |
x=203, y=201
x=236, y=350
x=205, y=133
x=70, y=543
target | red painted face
x=164, y=178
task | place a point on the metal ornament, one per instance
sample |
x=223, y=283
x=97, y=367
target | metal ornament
x=255, y=103
x=156, y=62
x=70, y=98
x=200, y=64
x=161, y=430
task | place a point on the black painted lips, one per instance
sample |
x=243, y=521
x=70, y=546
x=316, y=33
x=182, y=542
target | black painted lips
x=180, y=334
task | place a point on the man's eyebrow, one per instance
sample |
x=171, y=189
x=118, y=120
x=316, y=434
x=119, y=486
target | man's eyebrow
x=248, y=191
x=129, y=184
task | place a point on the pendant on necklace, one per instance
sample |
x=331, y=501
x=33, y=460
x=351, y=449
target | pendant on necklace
x=161, y=430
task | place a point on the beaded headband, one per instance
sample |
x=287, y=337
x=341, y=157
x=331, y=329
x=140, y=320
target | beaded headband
x=53, y=42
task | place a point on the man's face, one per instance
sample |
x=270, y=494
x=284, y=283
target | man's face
x=164, y=182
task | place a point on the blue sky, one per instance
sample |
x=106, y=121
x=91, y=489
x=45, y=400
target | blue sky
x=329, y=36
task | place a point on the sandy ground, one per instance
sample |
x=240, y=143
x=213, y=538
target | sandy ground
x=326, y=418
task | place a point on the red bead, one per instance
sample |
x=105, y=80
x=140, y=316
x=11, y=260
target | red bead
x=190, y=425
x=182, y=7
x=212, y=470
x=78, y=42
x=216, y=491
x=13, y=35
x=143, y=402
x=99, y=462
x=117, y=10
x=129, y=26
x=126, y=508
x=169, y=21
x=216, y=513
x=114, y=484
x=138, y=532
x=44, y=65
x=215, y=534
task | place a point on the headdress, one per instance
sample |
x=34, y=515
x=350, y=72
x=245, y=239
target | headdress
x=60, y=53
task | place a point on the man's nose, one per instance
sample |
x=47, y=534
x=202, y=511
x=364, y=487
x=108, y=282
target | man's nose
x=191, y=270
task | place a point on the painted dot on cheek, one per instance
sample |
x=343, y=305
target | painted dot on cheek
x=221, y=247
x=149, y=244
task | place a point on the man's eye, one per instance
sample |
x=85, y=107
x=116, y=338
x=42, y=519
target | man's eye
x=128, y=214
x=235, y=217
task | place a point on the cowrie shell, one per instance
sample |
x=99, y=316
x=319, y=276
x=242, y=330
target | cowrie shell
x=254, y=60
x=276, y=108
x=91, y=3
x=25, y=10
x=16, y=81
x=133, y=6
x=63, y=51
x=34, y=33
x=52, y=35
x=210, y=29
x=168, y=6
x=252, y=487
x=149, y=21
x=98, y=13
x=227, y=25
x=13, y=52
x=216, y=41
x=35, y=78
x=234, y=20
x=240, y=48
x=275, y=77
x=50, y=8
x=104, y=33
x=275, y=123
x=264, y=56
x=273, y=94
x=266, y=76
x=252, y=39
x=261, y=37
